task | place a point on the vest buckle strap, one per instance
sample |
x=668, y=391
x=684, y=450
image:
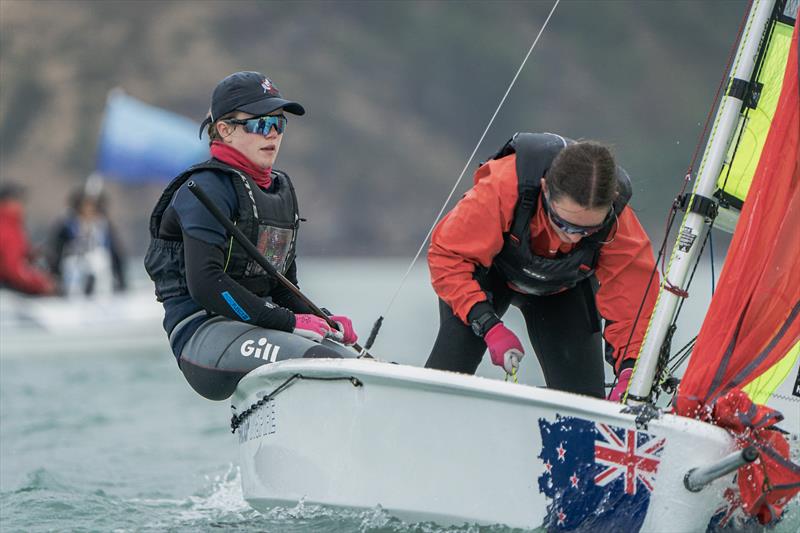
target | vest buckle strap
x=528, y=198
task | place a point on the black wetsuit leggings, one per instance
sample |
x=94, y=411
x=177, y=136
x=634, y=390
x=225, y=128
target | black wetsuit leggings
x=564, y=330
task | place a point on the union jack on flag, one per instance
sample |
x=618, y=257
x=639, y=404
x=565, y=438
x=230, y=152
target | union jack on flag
x=624, y=456
x=597, y=477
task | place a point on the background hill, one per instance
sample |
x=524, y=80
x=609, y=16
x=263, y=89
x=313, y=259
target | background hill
x=397, y=94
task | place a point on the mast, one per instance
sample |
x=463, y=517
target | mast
x=693, y=227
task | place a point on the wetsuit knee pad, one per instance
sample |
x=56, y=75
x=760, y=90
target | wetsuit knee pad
x=210, y=383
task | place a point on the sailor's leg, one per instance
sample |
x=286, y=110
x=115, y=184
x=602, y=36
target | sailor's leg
x=222, y=351
x=564, y=329
x=457, y=348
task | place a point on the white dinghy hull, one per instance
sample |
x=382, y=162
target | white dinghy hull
x=437, y=446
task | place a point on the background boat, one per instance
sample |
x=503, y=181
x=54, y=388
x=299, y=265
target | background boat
x=126, y=321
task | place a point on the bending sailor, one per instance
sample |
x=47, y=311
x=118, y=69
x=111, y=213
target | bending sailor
x=546, y=228
x=223, y=313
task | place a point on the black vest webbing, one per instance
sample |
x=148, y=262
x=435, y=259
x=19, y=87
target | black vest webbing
x=164, y=258
x=530, y=273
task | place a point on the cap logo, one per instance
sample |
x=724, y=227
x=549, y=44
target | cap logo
x=269, y=88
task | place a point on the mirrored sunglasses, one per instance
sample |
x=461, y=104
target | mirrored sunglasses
x=262, y=125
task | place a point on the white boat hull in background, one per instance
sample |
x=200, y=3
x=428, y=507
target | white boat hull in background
x=437, y=446
x=31, y=325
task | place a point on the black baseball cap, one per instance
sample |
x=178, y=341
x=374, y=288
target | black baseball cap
x=251, y=92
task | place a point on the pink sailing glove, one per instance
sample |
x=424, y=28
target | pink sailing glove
x=619, y=389
x=314, y=328
x=504, y=347
x=346, y=327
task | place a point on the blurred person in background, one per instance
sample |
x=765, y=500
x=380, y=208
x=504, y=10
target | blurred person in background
x=85, y=251
x=224, y=314
x=546, y=228
x=17, y=271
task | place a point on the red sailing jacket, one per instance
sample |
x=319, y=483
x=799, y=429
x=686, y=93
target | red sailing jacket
x=472, y=234
x=16, y=272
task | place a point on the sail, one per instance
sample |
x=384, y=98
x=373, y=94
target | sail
x=744, y=153
x=141, y=143
x=754, y=318
x=755, y=119
x=761, y=389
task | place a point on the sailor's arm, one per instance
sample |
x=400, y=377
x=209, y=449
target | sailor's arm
x=217, y=292
x=204, y=248
x=624, y=270
x=285, y=297
x=472, y=234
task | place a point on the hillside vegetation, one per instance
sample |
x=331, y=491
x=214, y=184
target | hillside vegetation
x=397, y=94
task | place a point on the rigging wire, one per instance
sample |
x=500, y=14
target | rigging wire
x=711, y=257
x=688, y=176
x=661, y=256
x=376, y=327
x=680, y=356
x=677, y=359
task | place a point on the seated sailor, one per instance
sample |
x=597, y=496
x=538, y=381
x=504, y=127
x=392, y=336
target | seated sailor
x=223, y=313
x=18, y=269
x=546, y=228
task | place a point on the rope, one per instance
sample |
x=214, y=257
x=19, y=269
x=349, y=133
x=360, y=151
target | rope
x=661, y=256
x=671, y=218
x=236, y=420
x=466, y=166
x=513, y=374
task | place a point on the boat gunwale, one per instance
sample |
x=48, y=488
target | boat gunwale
x=407, y=377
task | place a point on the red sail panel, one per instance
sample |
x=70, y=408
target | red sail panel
x=754, y=317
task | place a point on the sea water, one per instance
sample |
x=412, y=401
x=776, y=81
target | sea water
x=115, y=440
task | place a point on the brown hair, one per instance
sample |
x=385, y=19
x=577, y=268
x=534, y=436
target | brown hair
x=586, y=172
x=213, y=134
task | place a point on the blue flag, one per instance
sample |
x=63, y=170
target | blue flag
x=141, y=143
x=598, y=477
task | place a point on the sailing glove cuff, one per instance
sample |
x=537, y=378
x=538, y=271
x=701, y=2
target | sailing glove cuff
x=621, y=387
x=504, y=347
x=349, y=336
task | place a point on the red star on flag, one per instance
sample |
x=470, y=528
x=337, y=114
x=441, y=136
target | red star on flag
x=573, y=480
x=561, y=451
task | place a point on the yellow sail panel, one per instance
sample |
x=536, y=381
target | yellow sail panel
x=761, y=388
x=737, y=172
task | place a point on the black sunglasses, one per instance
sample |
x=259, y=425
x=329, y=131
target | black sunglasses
x=567, y=226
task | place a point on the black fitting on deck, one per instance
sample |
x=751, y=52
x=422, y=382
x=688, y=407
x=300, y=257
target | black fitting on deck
x=698, y=204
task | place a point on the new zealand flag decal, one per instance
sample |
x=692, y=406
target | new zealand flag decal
x=598, y=477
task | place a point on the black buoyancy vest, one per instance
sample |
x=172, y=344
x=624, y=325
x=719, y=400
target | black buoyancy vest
x=516, y=261
x=268, y=219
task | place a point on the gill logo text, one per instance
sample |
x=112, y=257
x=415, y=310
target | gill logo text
x=260, y=349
